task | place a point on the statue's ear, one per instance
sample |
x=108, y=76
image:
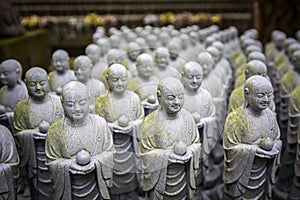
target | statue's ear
x=158, y=94
x=106, y=77
x=246, y=71
x=246, y=91
x=18, y=71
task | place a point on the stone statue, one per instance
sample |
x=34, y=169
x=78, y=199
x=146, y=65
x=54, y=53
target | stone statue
x=93, y=51
x=9, y=21
x=162, y=68
x=83, y=72
x=170, y=147
x=176, y=60
x=133, y=51
x=145, y=84
x=288, y=123
x=199, y=103
x=62, y=73
x=123, y=111
x=79, y=149
x=31, y=113
x=214, y=86
x=12, y=92
x=8, y=162
x=254, y=67
x=252, y=144
x=104, y=44
x=293, y=138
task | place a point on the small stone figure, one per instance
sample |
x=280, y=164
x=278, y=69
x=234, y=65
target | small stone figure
x=30, y=113
x=251, y=144
x=133, y=51
x=123, y=112
x=294, y=144
x=145, y=84
x=254, y=67
x=62, y=73
x=12, y=92
x=83, y=72
x=9, y=159
x=162, y=68
x=93, y=51
x=169, y=147
x=79, y=149
x=214, y=86
x=199, y=103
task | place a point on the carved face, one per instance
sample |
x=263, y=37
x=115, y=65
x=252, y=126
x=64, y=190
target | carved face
x=9, y=75
x=207, y=66
x=145, y=68
x=76, y=105
x=61, y=63
x=94, y=55
x=37, y=85
x=162, y=59
x=83, y=70
x=118, y=80
x=172, y=99
x=259, y=97
x=192, y=78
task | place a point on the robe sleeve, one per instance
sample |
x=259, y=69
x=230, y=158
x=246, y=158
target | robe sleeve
x=238, y=156
x=103, y=156
x=8, y=159
x=154, y=161
x=58, y=166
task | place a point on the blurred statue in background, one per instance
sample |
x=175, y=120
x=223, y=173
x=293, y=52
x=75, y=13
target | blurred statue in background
x=12, y=92
x=145, y=84
x=10, y=24
x=62, y=73
x=83, y=72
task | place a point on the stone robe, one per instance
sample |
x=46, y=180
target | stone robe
x=161, y=178
x=26, y=121
x=247, y=176
x=62, y=145
x=125, y=158
x=8, y=159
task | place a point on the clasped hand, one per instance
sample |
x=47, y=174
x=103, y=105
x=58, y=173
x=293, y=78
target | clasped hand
x=175, y=158
x=75, y=168
x=266, y=154
x=119, y=129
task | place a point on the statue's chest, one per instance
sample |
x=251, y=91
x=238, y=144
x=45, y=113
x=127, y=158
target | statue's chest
x=258, y=127
x=41, y=112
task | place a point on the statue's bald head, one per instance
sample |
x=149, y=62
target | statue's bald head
x=255, y=67
x=169, y=84
x=74, y=87
x=36, y=73
x=12, y=65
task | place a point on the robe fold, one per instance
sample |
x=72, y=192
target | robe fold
x=158, y=136
x=62, y=147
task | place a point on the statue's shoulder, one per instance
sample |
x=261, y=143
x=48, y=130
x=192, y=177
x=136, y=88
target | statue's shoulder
x=97, y=119
x=57, y=127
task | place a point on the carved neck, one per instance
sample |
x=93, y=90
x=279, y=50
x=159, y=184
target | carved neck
x=117, y=95
x=79, y=123
x=40, y=100
x=191, y=92
x=169, y=116
x=252, y=112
